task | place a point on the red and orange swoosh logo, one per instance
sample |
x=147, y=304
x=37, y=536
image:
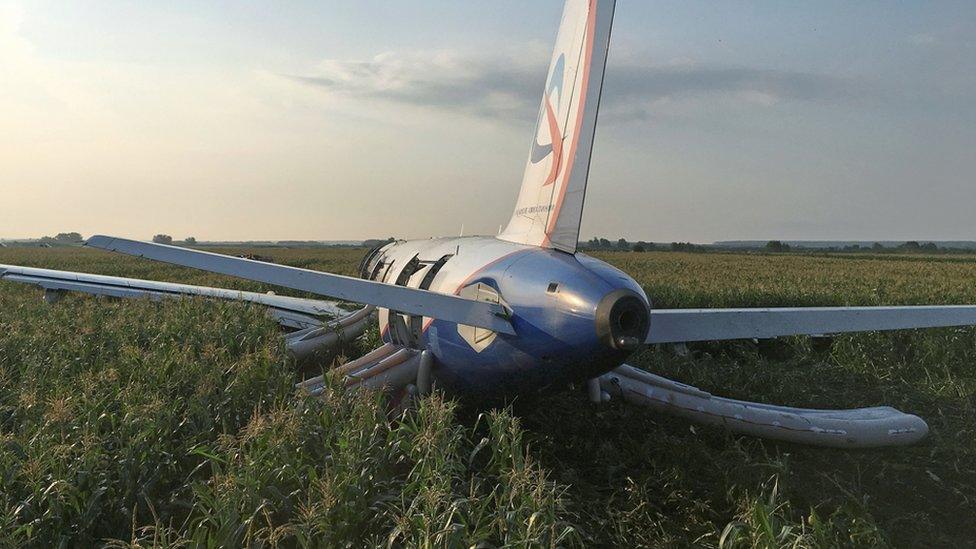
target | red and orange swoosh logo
x=557, y=144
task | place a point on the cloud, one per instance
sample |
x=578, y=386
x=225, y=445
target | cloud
x=657, y=82
x=509, y=87
x=443, y=80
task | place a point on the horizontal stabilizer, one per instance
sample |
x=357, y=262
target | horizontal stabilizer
x=407, y=300
x=684, y=325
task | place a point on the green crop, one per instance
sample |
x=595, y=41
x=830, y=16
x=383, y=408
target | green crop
x=133, y=423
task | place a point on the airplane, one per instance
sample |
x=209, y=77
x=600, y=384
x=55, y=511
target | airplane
x=497, y=318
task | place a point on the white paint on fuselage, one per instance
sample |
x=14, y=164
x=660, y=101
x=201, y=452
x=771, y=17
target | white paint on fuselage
x=470, y=256
x=553, y=299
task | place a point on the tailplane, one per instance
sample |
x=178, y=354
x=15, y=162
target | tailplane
x=550, y=204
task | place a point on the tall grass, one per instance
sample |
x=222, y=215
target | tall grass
x=767, y=521
x=177, y=424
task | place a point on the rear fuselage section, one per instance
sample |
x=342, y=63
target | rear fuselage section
x=574, y=316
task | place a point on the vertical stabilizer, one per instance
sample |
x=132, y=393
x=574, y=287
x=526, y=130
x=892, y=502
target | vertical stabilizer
x=550, y=204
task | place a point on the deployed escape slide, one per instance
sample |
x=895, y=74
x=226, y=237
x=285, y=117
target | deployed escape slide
x=860, y=428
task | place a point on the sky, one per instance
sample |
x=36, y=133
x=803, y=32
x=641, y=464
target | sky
x=337, y=120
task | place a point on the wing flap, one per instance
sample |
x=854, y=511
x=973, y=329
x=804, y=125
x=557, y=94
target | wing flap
x=684, y=325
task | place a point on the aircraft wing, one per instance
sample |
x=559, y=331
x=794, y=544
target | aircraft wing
x=684, y=325
x=464, y=311
x=291, y=312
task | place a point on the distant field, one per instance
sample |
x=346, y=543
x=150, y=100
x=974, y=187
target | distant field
x=132, y=423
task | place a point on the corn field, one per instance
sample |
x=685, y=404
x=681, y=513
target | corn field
x=134, y=423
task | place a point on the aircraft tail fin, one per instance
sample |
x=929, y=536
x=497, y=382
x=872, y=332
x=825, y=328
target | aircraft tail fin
x=550, y=203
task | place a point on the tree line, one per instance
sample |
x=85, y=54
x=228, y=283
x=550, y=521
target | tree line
x=74, y=238
x=772, y=246
x=622, y=245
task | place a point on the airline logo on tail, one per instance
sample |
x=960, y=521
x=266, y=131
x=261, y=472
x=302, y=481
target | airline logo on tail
x=550, y=203
x=548, y=115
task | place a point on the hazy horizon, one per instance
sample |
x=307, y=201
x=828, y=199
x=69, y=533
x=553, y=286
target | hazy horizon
x=332, y=120
x=812, y=243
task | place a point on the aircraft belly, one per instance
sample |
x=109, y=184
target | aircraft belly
x=509, y=367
